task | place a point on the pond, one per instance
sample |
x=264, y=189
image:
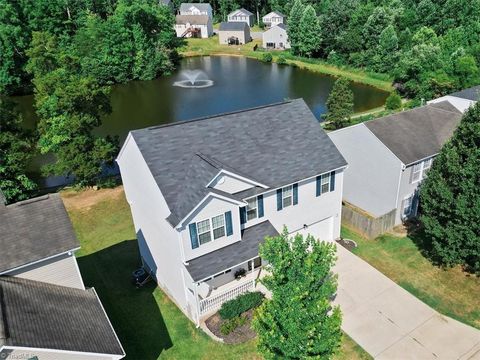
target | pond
x=238, y=83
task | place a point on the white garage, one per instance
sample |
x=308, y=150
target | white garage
x=322, y=229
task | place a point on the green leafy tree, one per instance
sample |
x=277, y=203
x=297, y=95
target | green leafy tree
x=299, y=322
x=450, y=197
x=293, y=29
x=339, y=104
x=308, y=42
x=70, y=107
x=393, y=102
x=16, y=148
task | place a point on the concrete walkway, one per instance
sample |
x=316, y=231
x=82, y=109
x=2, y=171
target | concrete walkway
x=390, y=323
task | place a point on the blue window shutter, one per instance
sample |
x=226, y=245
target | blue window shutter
x=332, y=181
x=295, y=194
x=243, y=215
x=193, y=235
x=319, y=185
x=279, y=200
x=260, y=205
x=228, y=223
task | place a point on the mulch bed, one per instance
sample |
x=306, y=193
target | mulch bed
x=240, y=335
x=347, y=244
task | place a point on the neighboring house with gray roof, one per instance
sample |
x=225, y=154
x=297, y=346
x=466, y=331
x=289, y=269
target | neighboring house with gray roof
x=205, y=193
x=274, y=18
x=234, y=33
x=242, y=15
x=462, y=100
x=389, y=157
x=45, y=310
x=196, y=9
x=276, y=38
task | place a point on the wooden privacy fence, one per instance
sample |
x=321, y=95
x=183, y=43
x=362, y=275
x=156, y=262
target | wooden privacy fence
x=366, y=224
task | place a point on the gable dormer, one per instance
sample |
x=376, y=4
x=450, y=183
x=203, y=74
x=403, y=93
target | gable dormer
x=232, y=183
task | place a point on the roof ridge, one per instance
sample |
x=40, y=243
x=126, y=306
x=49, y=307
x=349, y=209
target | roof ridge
x=30, y=201
x=177, y=123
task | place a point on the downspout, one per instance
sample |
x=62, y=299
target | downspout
x=402, y=168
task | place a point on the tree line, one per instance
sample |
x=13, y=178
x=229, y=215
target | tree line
x=429, y=48
x=68, y=53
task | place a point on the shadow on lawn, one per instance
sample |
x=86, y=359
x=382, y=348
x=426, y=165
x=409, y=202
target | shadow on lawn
x=134, y=313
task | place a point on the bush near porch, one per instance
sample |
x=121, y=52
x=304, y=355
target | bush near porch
x=451, y=292
x=240, y=304
x=148, y=323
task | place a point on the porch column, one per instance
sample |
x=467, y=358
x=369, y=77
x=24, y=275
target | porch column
x=197, y=303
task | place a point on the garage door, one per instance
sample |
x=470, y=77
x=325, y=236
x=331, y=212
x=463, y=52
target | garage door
x=322, y=230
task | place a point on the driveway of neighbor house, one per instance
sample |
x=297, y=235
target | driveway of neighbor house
x=390, y=323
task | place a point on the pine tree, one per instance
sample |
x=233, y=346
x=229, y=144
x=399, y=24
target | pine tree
x=339, y=105
x=450, y=197
x=308, y=42
x=299, y=322
x=293, y=29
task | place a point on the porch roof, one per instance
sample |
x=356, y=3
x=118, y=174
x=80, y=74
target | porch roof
x=229, y=256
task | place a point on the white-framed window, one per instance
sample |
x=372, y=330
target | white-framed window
x=287, y=196
x=252, y=209
x=325, y=183
x=204, y=231
x=419, y=171
x=427, y=164
x=218, y=225
x=407, y=205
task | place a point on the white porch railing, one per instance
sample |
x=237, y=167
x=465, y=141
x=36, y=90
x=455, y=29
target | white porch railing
x=216, y=301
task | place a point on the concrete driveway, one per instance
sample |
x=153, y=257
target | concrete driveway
x=390, y=323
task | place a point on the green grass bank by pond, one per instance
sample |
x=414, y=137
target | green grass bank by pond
x=211, y=46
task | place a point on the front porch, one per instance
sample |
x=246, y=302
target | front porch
x=228, y=272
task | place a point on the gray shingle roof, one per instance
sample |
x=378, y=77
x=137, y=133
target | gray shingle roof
x=192, y=19
x=278, y=13
x=472, y=93
x=416, y=134
x=47, y=316
x=233, y=26
x=231, y=255
x=243, y=11
x=275, y=145
x=34, y=229
x=199, y=6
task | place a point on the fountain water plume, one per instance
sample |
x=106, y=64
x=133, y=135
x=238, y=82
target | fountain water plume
x=194, y=79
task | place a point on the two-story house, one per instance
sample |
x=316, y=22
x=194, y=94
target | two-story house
x=194, y=20
x=45, y=310
x=205, y=193
x=242, y=15
x=196, y=9
x=273, y=18
x=390, y=156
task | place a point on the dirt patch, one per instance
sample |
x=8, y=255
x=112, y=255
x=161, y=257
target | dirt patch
x=85, y=199
x=240, y=335
x=347, y=244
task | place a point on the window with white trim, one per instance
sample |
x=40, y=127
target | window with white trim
x=287, y=195
x=204, y=233
x=419, y=171
x=218, y=225
x=407, y=205
x=252, y=207
x=325, y=183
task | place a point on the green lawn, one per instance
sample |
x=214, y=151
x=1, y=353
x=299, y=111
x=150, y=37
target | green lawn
x=452, y=292
x=211, y=46
x=149, y=325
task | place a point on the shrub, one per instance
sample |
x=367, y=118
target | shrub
x=394, y=102
x=281, y=60
x=229, y=325
x=240, y=304
x=267, y=57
